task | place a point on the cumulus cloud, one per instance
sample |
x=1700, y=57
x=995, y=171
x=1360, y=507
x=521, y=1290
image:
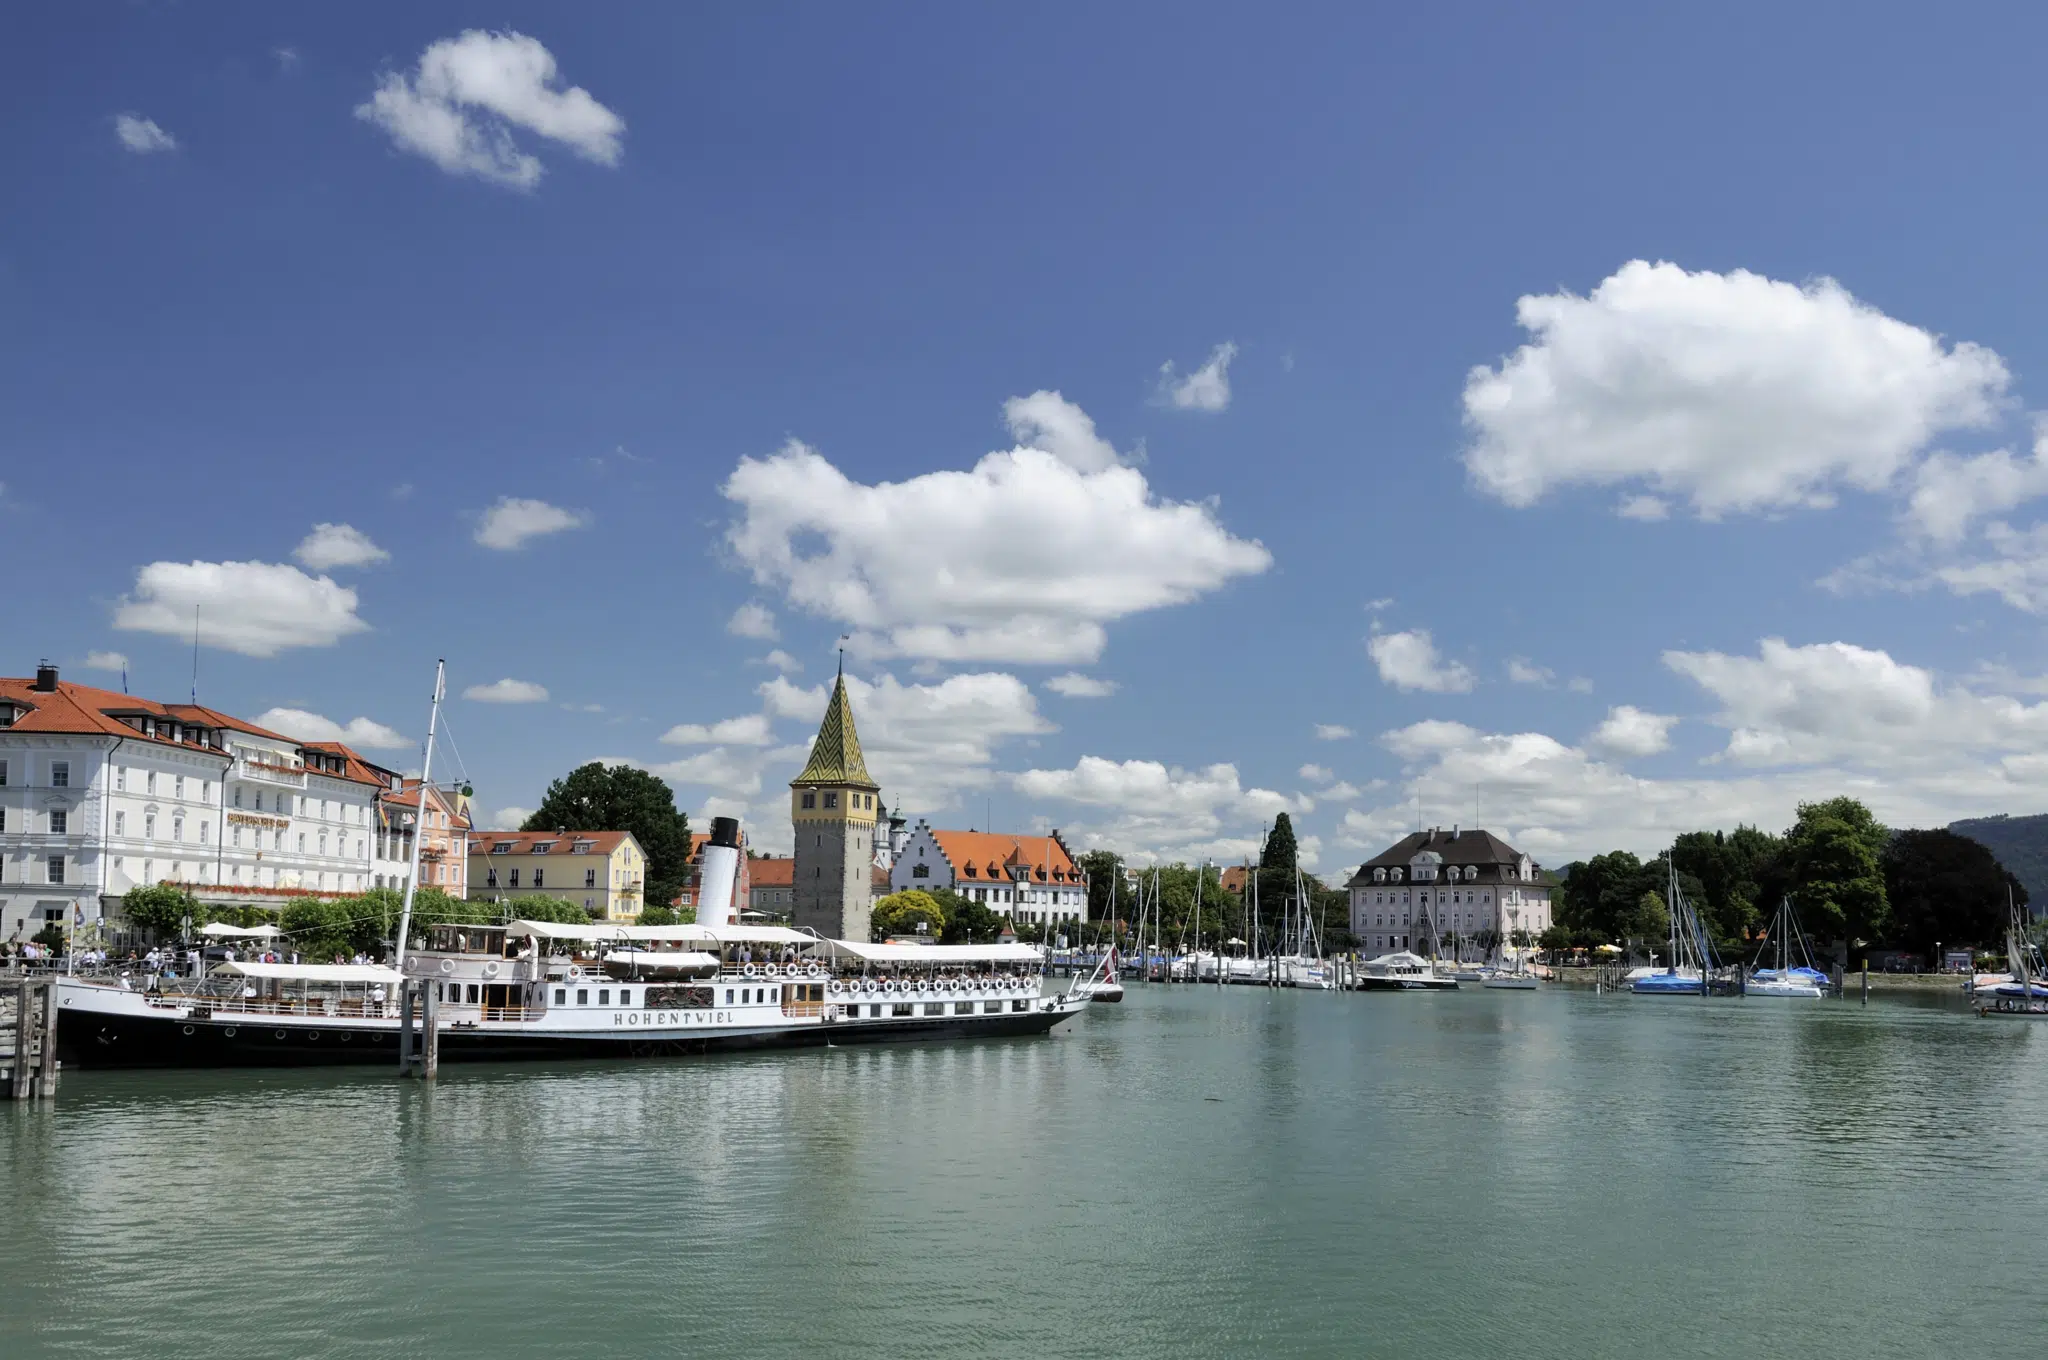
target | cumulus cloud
x=1316, y=774
x=1732, y=392
x=1048, y=421
x=504, y=819
x=512, y=521
x=1333, y=732
x=782, y=661
x=106, y=661
x=507, y=691
x=255, y=608
x=1148, y=809
x=461, y=105
x=1646, y=508
x=1074, y=685
x=1205, y=389
x=926, y=744
x=1409, y=661
x=1837, y=702
x=1629, y=731
x=752, y=729
x=142, y=136
x=1523, y=671
x=752, y=620
x=338, y=545
x=1951, y=493
x=358, y=732
x=966, y=586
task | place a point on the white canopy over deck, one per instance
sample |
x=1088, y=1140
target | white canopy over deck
x=598, y=933
x=929, y=955
x=222, y=930
x=366, y=974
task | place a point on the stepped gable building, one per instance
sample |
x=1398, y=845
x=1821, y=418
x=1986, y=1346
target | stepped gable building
x=834, y=806
x=1431, y=885
x=1031, y=879
x=101, y=792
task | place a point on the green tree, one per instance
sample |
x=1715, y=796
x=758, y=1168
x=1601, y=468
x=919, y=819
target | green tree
x=557, y=910
x=160, y=908
x=967, y=922
x=1733, y=870
x=1835, y=855
x=1279, y=857
x=1104, y=869
x=318, y=929
x=901, y=914
x=668, y=916
x=599, y=797
x=1944, y=888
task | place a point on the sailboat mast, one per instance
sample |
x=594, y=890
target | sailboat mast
x=419, y=824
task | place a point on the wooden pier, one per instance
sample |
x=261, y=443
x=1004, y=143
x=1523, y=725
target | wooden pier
x=28, y=1039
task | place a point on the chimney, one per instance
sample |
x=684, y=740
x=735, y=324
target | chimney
x=1454, y=831
x=46, y=678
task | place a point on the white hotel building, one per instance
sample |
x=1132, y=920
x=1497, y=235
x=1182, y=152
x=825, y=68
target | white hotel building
x=101, y=792
x=1431, y=886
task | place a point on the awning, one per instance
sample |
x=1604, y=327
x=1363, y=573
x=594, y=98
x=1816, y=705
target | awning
x=367, y=973
x=222, y=930
x=929, y=955
x=599, y=933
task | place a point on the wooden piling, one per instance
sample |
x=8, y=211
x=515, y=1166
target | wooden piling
x=46, y=1058
x=405, y=1031
x=430, y=1032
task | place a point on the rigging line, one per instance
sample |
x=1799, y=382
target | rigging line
x=448, y=732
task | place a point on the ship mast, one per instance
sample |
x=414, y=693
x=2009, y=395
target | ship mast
x=419, y=825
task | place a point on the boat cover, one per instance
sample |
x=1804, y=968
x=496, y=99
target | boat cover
x=312, y=972
x=935, y=955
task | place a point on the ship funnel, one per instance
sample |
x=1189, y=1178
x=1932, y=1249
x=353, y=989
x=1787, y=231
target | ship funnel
x=717, y=873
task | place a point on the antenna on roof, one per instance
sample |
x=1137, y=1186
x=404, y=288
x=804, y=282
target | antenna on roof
x=843, y=639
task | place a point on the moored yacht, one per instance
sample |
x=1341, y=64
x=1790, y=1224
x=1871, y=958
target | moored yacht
x=1402, y=972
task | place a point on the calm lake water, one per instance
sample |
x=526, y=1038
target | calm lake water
x=1189, y=1174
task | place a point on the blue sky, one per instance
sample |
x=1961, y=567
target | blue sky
x=615, y=337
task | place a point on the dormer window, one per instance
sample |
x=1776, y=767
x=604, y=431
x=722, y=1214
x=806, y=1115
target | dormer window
x=1379, y=875
x=972, y=871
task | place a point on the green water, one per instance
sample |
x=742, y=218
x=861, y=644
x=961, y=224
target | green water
x=1189, y=1174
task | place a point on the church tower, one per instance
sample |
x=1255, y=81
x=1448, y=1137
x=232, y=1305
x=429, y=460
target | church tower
x=833, y=804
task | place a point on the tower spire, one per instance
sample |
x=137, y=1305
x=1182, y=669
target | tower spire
x=835, y=756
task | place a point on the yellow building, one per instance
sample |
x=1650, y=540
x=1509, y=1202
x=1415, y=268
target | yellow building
x=604, y=872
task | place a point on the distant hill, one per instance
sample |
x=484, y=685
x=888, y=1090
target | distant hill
x=2021, y=844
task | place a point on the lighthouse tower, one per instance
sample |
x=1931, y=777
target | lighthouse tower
x=833, y=804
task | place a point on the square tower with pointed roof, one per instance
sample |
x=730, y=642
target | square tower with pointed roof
x=833, y=804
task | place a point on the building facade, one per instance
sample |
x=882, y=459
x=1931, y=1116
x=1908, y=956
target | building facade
x=771, y=883
x=834, y=805
x=1426, y=888
x=444, y=837
x=1031, y=879
x=603, y=871
x=101, y=792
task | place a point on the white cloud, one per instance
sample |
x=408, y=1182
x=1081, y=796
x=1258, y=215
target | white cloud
x=2016, y=569
x=583, y=708
x=1048, y=421
x=782, y=661
x=1523, y=671
x=752, y=620
x=504, y=819
x=966, y=586
x=1579, y=684
x=255, y=608
x=1147, y=809
x=1646, y=508
x=1409, y=661
x=287, y=58
x=358, y=732
x=142, y=136
x=512, y=521
x=507, y=691
x=752, y=729
x=106, y=661
x=1629, y=731
x=1316, y=774
x=1732, y=391
x=1074, y=685
x=1837, y=702
x=1333, y=732
x=1205, y=389
x=460, y=107
x=1950, y=493
x=1340, y=792
x=338, y=545
x=925, y=744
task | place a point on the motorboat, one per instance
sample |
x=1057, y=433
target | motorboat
x=1402, y=972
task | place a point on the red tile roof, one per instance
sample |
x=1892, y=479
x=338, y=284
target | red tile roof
x=75, y=708
x=772, y=873
x=602, y=842
x=984, y=856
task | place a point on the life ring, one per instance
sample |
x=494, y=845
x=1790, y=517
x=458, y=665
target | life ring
x=889, y=986
x=747, y=971
x=491, y=969
x=574, y=972
x=835, y=987
x=412, y=965
x=447, y=965
x=812, y=970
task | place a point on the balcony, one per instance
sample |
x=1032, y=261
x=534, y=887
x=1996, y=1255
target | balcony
x=266, y=772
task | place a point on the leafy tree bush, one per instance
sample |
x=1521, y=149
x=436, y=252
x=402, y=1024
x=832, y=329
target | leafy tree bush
x=599, y=797
x=1834, y=851
x=901, y=914
x=317, y=929
x=558, y=910
x=160, y=908
x=1944, y=888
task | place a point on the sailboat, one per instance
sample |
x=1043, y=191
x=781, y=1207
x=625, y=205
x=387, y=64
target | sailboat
x=1514, y=979
x=2022, y=998
x=1786, y=979
x=1685, y=974
x=1105, y=983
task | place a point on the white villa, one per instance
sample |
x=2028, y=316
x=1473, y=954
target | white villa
x=1433, y=885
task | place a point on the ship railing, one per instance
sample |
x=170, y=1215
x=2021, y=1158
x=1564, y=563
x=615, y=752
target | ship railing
x=802, y=1009
x=345, y=1007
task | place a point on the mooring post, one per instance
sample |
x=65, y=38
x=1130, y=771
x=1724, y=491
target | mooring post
x=1866, y=979
x=405, y=1027
x=430, y=1031
x=47, y=1057
x=24, y=1038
